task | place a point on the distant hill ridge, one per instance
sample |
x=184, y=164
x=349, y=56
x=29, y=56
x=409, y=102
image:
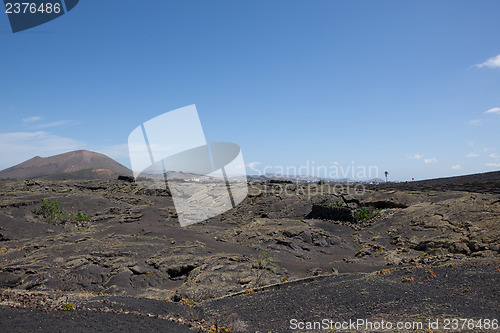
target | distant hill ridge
x=486, y=182
x=79, y=164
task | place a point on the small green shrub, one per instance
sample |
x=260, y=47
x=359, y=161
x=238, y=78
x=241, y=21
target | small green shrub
x=80, y=217
x=338, y=204
x=265, y=261
x=365, y=213
x=267, y=266
x=52, y=213
x=68, y=307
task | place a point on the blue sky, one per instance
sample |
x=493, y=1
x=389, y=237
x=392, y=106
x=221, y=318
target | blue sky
x=405, y=86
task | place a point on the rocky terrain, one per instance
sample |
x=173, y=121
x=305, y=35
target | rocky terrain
x=115, y=257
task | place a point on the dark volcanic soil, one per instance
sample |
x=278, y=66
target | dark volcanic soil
x=431, y=251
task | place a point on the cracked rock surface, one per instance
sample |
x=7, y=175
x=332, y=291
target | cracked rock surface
x=281, y=235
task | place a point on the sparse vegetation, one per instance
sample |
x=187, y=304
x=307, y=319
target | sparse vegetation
x=68, y=307
x=365, y=213
x=265, y=261
x=338, y=204
x=407, y=279
x=80, y=217
x=51, y=211
x=267, y=266
x=189, y=302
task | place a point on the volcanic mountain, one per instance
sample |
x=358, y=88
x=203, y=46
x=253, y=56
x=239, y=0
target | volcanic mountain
x=79, y=164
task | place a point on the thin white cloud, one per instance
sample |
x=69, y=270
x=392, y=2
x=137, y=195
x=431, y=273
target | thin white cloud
x=414, y=156
x=475, y=122
x=53, y=124
x=493, y=110
x=470, y=143
x=430, y=160
x=457, y=167
x=32, y=119
x=496, y=165
x=335, y=163
x=493, y=62
x=493, y=155
x=17, y=147
x=472, y=155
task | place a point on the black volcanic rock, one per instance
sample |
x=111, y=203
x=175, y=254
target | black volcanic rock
x=129, y=179
x=428, y=253
x=487, y=182
x=330, y=213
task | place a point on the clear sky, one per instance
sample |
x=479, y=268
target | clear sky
x=411, y=87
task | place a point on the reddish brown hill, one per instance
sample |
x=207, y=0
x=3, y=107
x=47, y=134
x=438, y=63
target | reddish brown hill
x=80, y=164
